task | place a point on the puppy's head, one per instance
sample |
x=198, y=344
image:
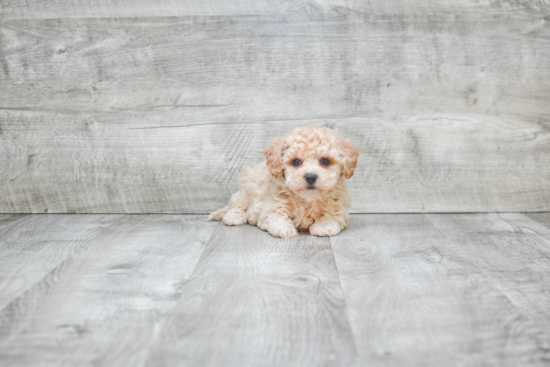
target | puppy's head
x=311, y=160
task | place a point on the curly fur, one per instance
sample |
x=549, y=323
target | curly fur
x=276, y=197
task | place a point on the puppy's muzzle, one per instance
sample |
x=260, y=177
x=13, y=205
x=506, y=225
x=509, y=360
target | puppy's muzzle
x=310, y=178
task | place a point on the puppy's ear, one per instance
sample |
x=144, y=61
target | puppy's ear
x=274, y=157
x=350, y=154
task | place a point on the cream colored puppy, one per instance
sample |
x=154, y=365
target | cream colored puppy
x=301, y=186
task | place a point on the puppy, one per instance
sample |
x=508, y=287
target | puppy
x=301, y=186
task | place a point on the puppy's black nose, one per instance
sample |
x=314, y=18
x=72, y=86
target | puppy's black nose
x=310, y=178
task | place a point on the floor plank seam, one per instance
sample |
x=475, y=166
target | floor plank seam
x=356, y=345
x=169, y=315
x=487, y=277
x=74, y=254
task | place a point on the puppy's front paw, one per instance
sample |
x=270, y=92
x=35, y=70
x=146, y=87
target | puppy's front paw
x=217, y=215
x=234, y=217
x=325, y=229
x=284, y=230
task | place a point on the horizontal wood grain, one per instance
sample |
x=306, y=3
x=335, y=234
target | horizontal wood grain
x=159, y=114
x=101, y=163
x=235, y=69
x=102, y=305
x=120, y=8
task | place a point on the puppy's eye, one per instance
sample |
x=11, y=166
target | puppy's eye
x=296, y=162
x=325, y=162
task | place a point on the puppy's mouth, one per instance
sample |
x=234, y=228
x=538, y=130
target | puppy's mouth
x=310, y=192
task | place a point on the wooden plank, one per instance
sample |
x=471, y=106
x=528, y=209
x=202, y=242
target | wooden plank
x=415, y=296
x=279, y=67
x=120, y=8
x=255, y=300
x=96, y=113
x=118, y=165
x=104, y=305
x=6, y=219
x=33, y=246
x=543, y=218
x=514, y=251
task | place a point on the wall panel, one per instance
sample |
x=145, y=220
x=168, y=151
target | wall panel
x=132, y=114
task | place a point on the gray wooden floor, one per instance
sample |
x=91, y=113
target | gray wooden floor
x=176, y=290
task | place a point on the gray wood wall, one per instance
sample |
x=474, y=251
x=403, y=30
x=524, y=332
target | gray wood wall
x=112, y=106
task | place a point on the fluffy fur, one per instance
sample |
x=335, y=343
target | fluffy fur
x=276, y=197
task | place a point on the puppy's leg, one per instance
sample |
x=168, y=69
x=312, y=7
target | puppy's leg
x=218, y=214
x=236, y=216
x=277, y=225
x=327, y=226
x=253, y=214
x=282, y=227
